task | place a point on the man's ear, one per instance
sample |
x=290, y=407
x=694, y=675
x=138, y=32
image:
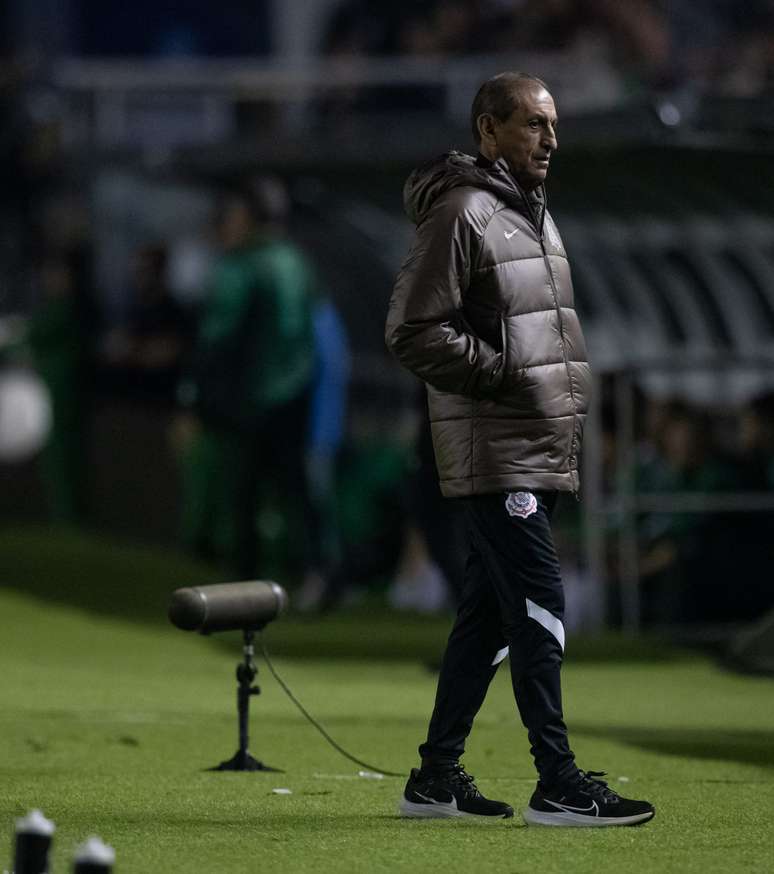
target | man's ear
x=486, y=130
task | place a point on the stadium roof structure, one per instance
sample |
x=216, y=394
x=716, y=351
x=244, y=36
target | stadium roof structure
x=676, y=294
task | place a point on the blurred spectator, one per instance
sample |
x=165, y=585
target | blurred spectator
x=253, y=374
x=756, y=459
x=686, y=566
x=750, y=561
x=145, y=354
x=326, y=434
x=636, y=32
x=697, y=566
x=430, y=573
x=59, y=339
x=371, y=507
x=670, y=541
x=723, y=43
x=720, y=44
x=357, y=27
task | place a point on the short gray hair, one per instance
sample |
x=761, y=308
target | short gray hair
x=499, y=96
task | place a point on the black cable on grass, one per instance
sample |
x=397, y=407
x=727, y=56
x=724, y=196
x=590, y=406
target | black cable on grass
x=315, y=723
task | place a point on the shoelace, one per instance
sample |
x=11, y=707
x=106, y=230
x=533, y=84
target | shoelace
x=458, y=776
x=590, y=782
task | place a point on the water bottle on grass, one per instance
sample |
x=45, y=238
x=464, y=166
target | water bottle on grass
x=34, y=834
x=94, y=857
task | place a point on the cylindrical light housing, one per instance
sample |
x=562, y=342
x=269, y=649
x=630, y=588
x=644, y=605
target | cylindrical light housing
x=227, y=606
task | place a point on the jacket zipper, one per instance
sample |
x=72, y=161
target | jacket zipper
x=554, y=293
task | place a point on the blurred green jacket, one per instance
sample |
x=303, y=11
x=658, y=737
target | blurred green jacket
x=255, y=348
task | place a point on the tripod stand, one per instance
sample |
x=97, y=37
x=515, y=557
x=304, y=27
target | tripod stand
x=246, y=672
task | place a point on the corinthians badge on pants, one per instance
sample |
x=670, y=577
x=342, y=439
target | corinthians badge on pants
x=521, y=504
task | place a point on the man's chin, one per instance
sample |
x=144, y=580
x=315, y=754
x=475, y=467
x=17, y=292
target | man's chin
x=534, y=180
x=533, y=177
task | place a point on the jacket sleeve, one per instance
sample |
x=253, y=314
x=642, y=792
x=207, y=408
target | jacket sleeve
x=426, y=329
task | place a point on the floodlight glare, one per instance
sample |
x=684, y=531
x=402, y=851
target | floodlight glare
x=245, y=607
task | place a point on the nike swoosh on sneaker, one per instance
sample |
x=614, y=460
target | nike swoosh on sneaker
x=509, y=234
x=593, y=810
x=450, y=800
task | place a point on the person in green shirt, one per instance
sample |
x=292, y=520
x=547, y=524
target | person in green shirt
x=253, y=368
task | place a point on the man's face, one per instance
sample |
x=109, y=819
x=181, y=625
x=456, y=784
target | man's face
x=527, y=139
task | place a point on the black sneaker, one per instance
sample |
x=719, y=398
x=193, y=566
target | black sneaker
x=446, y=794
x=587, y=802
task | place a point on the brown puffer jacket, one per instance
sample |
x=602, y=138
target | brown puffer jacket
x=483, y=312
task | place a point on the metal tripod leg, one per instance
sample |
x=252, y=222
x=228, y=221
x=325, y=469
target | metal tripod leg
x=246, y=672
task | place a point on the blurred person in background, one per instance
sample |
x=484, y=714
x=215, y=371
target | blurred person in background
x=370, y=505
x=252, y=381
x=327, y=427
x=482, y=311
x=145, y=354
x=737, y=582
x=431, y=570
x=60, y=336
x=756, y=451
x=721, y=44
x=633, y=36
x=678, y=459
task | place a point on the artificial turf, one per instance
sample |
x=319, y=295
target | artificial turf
x=109, y=718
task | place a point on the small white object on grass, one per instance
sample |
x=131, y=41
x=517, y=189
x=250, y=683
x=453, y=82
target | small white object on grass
x=94, y=851
x=335, y=776
x=370, y=775
x=623, y=779
x=282, y=791
x=34, y=823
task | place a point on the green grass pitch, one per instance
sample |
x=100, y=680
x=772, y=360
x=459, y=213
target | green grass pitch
x=109, y=718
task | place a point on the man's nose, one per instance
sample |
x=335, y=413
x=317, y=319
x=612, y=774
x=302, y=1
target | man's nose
x=550, y=141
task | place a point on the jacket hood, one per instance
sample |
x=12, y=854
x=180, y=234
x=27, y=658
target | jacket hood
x=452, y=170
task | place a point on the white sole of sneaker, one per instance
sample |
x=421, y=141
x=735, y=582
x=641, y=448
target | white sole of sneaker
x=578, y=820
x=440, y=811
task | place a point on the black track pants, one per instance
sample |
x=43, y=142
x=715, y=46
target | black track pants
x=273, y=454
x=513, y=598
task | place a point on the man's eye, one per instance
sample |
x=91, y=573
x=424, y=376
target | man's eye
x=534, y=124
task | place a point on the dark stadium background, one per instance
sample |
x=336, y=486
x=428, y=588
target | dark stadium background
x=121, y=124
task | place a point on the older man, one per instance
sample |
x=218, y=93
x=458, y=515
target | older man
x=483, y=312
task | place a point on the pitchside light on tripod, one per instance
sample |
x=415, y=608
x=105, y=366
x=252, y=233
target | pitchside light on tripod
x=227, y=606
x=245, y=607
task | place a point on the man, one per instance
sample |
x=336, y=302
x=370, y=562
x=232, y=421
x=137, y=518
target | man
x=145, y=353
x=253, y=373
x=483, y=312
